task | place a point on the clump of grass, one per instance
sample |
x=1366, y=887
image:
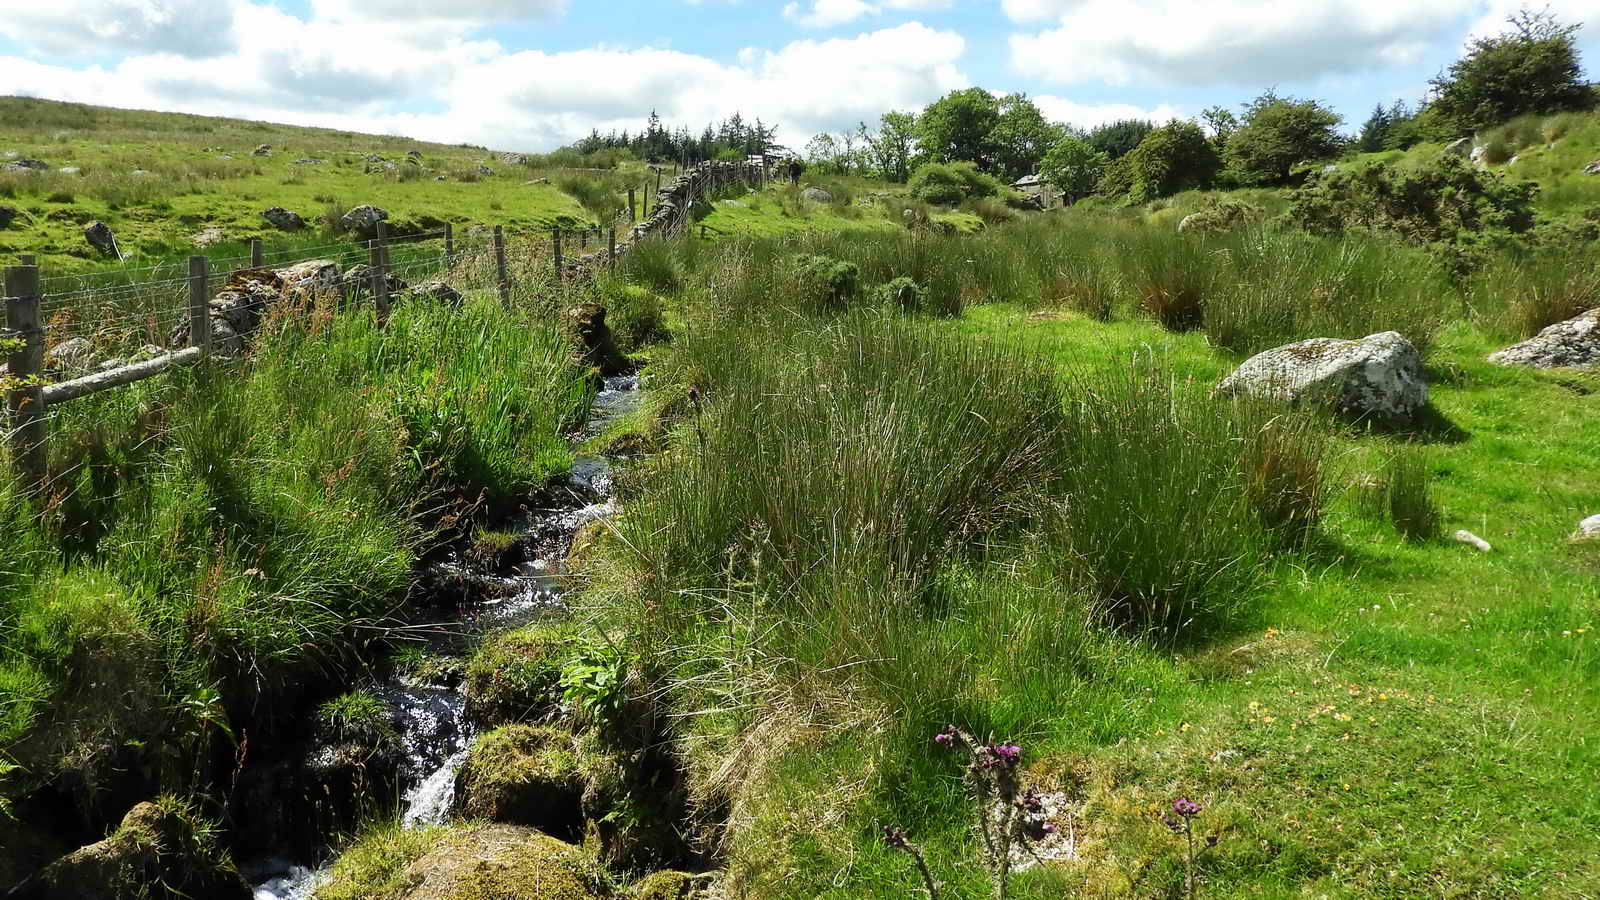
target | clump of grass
x=1085, y=288
x=1518, y=299
x=1173, y=277
x=359, y=716
x=1402, y=495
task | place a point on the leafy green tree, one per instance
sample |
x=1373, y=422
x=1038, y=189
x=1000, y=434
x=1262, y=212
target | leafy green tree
x=1533, y=67
x=960, y=126
x=1374, y=130
x=1021, y=136
x=1175, y=157
x=1117, y=139
x=1222, y=123
x=1279, y=133
x=892, y=145
x=1074, y=167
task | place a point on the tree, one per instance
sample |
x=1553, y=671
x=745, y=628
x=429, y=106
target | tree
x=1533, y=67
x=1074, y=167
x=1021, y=136
x=1221, y=122
x=891, y=147
x=959, y=125
x=1278, y=133
x=1175, y=157
x=1117, y=139
x=1374, y=130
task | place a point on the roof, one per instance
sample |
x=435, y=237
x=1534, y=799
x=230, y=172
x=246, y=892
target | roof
x=1028, y=181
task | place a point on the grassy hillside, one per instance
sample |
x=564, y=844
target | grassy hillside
x=161, y=179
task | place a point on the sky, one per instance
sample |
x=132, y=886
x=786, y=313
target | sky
x=532, y=75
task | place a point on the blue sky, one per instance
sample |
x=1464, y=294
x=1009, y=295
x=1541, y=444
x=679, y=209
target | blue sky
x=533, y=74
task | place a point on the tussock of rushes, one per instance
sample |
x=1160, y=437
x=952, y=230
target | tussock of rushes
x=1406, y=495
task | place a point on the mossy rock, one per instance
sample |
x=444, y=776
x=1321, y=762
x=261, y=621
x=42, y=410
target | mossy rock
x=515, y=676
x=526, y=775
x=464, y=862
x=666, y=885
x=162, y=849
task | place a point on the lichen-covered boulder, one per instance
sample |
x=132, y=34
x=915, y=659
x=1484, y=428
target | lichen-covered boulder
x=1573, y=343
x=313, y=279
x=1588, y=529
x=283, y=219
x=1378, y=375
x=100, y=237
x=161, y=849
x=435, y=292
x=72, y=355
x=263, y=150
x=358, y=283
x=464, y=862
x=363, y=220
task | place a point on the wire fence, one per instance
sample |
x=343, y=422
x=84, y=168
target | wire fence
x=81, y=334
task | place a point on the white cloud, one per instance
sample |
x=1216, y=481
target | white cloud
x=1238, y=41
x=1089, y=115
x=196, y=28
x=462, y=11
x=376, y=79
x=829, y=13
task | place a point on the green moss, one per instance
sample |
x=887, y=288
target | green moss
x=665, y=885
x=515, y=676
x=523, y=774
x=463, y=862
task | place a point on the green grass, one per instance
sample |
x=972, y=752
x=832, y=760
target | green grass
x=189, y=187
x=867, y=531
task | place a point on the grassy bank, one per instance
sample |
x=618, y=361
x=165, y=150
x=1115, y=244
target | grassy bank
x=1019, y=509
x=215, y=543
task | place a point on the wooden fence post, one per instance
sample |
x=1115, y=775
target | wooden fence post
x=611, y=247
x=449, y=245
x=200, y=304
x=378, y=260
x=26, y=403
x=503, y=279
x=632, y=216
x=556, y=233
x=256, y=256
x=583, y=238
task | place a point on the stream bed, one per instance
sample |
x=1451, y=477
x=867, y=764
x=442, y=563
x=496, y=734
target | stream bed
x=430, y=718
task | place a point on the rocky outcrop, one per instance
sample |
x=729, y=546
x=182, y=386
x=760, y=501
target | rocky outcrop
x=1573, y=343
x=816, y=195
x=1461, y=147
x=159, y=850
x=358, y=283
x=1378, y=375
x=524, y=775
x=27, y=165
x=283, y=219
x=101, y=238
x=363, y=220
x=435, y=292
x=263, y=150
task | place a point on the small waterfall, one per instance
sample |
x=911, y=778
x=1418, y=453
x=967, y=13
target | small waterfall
x=431, y=719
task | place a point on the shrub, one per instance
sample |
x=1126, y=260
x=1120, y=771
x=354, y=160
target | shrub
x=1533, y=67
x=1279, y=133
x=947, y=184
x=824, y=282
x=902, y=293
x=1219, y=216
x=1175, y=157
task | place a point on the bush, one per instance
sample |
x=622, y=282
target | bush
x=1175, y=157
x=947, y=184
x=1446, y=205
x=1279, y=133
x=1533, y=67
x=824, y=282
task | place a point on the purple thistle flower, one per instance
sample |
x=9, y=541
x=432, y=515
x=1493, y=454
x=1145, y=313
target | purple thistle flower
x=1007, y=755
x=1031, y=802
x=943, y=739
x=694, y=394
x=894, y=837
x=1186, y=807
x=1049, y=828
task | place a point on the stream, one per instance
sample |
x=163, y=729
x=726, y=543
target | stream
x=431, y=719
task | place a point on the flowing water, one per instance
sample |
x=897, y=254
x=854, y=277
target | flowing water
x=431, y=718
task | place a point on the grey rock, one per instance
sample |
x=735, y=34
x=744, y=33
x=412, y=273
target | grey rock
x=436, y=292
x=358, y=282
x=1477, y=154
x=263, y=150
x=1467, y=537
x=139, y=173
x=100, y=237
x=74, y=355
x=414, y=154
x=485, y=171
x=1592, y=168
x=27, y=165
x=208, y=236
x=1573, y=343
x=226, y=156
x=374, y=158
x=311, y=279
x=69, y=170
x=1380, y=374
x=816, y=195
x=514, y=159
x=283, y=219
x=440, y=178
x=1588, y=529
x=307, y=161
x=363, y=220
x=1461, y=147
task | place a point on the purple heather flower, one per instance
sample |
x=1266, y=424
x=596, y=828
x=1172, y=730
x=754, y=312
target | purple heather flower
x=1186, y=807
x=1049, y=828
